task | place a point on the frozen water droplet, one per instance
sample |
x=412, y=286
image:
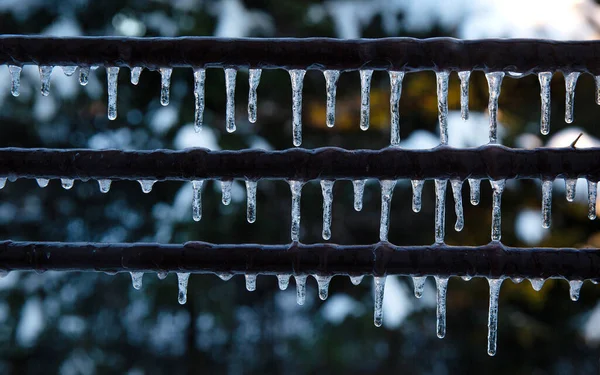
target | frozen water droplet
x=458, y=206
x=136, y=280
x=250, y=282
x=359, y=191
x=67, y=183
x=45, y=73
x=356, y=280
x=570, y=184
x=296, y=188
x=546, y=203
x=135, y=74
x=327, y=190
x=197, y=199
x=442, y=97
x=226, y=191
x=253, y=81
x=162, y=275
x=42, y=182
x=475, y=188
x=545, y=78
x=494, y=85
x=182, y=283
x=2, y=182
x=466, y=277
x=419, y=285
x=225, y=276
x=104, y=185
x=297, y=79
x=165, y=85
x=69, y=70
x=592, y=194
x=517, y=280
x=495, y=285
x=331, y=79
x=575, y=288
x=323, y=283
x=365, y=98
x=387, y=191
x=300, y=289
x=199, y=77
x=112, y=74
x=442, y=287
x=440, y=210
x=537, y=284
x=395, y=93
x=570, y=83
x=379, y=292
x=84, y=74
x=230, y=75
x=251, y=200
x=497, y=188
x=283, y=281
x=417, y=193
x=464, y=94
x=15, y=79
x=147, y=185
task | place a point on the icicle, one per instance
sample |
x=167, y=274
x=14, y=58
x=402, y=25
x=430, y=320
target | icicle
x=597, y=80
x=387, y=191
x=323, y=283
x=104, y=185
x=2, y=182
x=165, y=84
x=419, y=285
x=42, y=182
x=230, y=75
x=45, y=73
x=395, y=93
x=497, y=188
x=182, y=283
x=570, y=83
x=365, y=98
x=283, y=281
x=300, y=289
x=466, y=277
x=546, y=203
x=327, y=190
x=253, y=81
x=494, y=85
x=135, y=74
x=356, y=280
x=69, y=70
x=517, y=280
x=226, y=191
x=440, y=210
x=475, y=187
x=250, y=282
x=84, y=73
x=359, y=191
x=331, y=79
x=136, y=280
x=197, y=199
x=251, y=200
x=146, y=185
x=162, y=275
x=592, y=193
x=297, y=78
x=458, y=206
x=575, y=288
x=112, y=74
x=495, y=285
x=67, y=183
x=570, y=184
x=417, y=193
x=464, y=94
x=379, y=292
x=15, y=79
x=537, y=284
x=442, y=287
x=296, y=188
x=442, y=95
x=225, y=276
x=199, y=77
x=545, y=78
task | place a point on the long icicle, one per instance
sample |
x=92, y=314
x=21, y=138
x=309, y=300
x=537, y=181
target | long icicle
x=419, y=285
x=442, y=103
x=495, y=285
x=458, y=205
x=359, y=191
x=331, y=79
x=379, y=292
x=395, y=93
x=497, y=188
x=296, y=189
x=251, y=200
x=182, y=284
x=230, y=75
x=464, y=93
x=112, y=75
x=197, y=199
x=440, y=210
x=545, y=78
x=442, y=288
x=570, y=83
x=494, y=85
x=387, y=191
x=546, y=203
x=300, y=288
x=592, y=194
x=165, y=85
x=417, y=193
x=199, y=78
x=15, y=79
x=327, y=190
x=253, y=81
x=297, y=79
x=45, y=74
x=365, y=98
x=475, y=189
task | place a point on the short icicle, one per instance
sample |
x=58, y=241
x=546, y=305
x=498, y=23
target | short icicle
x=570, y=184
x=537, y=284
x=359, y=191
x=297, y=79
x=440, y=210
x=147, y=185
x=251, y=200
x=458, y=205
x=574, y=289
x=494, y=85
x=135, y=74
x=226, y=186
x=197, y=199
x=136, y=279
x=475, y=188
x=545, y=78
x=570, y=83
x=162, y=275
x=250, y=282
x=104, y=186
x=495, y=285
x=331, y=79
x=466, y=277
x=417, y=193
x=112, y=74
x=442, y=103
x=592, y=194
x=225, y=276
x=327, y=190
x=230, y=75
x=300, y=289
x=42, y=182
x=15, y=79
x=199, y=77
x=283, y=281
x=379, y=292
x=395, y=93
x=356, y=279
x=45, y=74
x=67, y=183
x=296, y=189
x=419, y=285
x=365, y=98
x=546, y=203
x=253, y=81
x=442, y=288
x=497, y=188
x=323, y=284
x=165, y=85
x=84, y=74
x=464, y=94
x=387, y=191
x=182, y=283
x=69, y=70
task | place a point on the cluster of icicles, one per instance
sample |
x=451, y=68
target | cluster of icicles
x=494, y=80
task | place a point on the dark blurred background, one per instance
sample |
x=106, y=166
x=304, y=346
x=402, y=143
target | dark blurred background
x=87, y=323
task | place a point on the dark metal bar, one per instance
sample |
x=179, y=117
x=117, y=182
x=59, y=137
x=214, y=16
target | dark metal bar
x=492, y=161
x=407, y=54
x=492, y=260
